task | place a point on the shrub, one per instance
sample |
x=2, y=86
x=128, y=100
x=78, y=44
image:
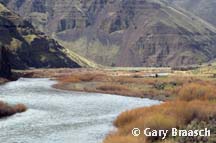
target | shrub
x=81, y=78
x=159, y=86
x=123, y=139
x=197, y=91
x=173, y=114
x=159, y=121
x=69, y=79
x=169, y=141
x=87, y=77
x=195, y=125
x=112, y=87
x=130, y=116
x=20, y=108
x=7, y=110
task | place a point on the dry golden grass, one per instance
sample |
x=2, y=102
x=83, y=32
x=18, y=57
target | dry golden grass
x=7, y=110
x=88, y=77
x=72, y=79
x=116, y=88
x=165, y=116
x=195, y=100
x=123, y=139
x=112, y=87
x=177, y=80
x=201, y=91
x=170, y=141
x=162, y=88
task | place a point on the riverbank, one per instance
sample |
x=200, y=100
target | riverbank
x=154, y=83
x=138, y=82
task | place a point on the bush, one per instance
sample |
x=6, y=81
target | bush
x=111, y=87
x=81, y=78
x=69, y=79
x=197, y=91
x=185, y=68
x=87, y=77
x=123, y=139
x=198, y=139
x=174, y=114
x=159, y=121
x=20, y=108
x=7, y=110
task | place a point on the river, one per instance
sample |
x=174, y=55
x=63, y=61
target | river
x=56, y=116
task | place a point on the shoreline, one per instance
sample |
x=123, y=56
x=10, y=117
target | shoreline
x=93, y=80
x=132, y=83
x=62, y=87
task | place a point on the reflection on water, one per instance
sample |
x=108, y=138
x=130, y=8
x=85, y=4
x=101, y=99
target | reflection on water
x=56, y=116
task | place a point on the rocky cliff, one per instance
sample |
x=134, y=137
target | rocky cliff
x=27, y=47
x=123, y=32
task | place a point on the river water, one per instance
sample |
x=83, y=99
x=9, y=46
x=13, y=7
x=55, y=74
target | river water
x=56, y=116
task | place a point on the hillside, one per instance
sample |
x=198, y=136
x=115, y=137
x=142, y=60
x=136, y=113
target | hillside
x=27, y=47
x=202, y=8
x=123, y=33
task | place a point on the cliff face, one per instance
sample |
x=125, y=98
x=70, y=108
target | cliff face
x=124, y=33
x=5, y=70
x=28, y=47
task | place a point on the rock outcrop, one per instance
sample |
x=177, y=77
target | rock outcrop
x=5, y=70
x=124, y=32
x=28, y=47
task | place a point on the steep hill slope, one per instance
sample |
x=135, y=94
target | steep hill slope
x=206, y=9
x=124, y=33
x=28, y=47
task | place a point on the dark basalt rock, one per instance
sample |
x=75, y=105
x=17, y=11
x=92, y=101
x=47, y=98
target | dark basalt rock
x=29, y=48
x=5, y=69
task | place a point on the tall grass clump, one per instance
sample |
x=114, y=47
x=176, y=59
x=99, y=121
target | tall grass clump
x=82, y=78
x=174, y=114
x=197, y=91
x=123, y=139
x=112, y=87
